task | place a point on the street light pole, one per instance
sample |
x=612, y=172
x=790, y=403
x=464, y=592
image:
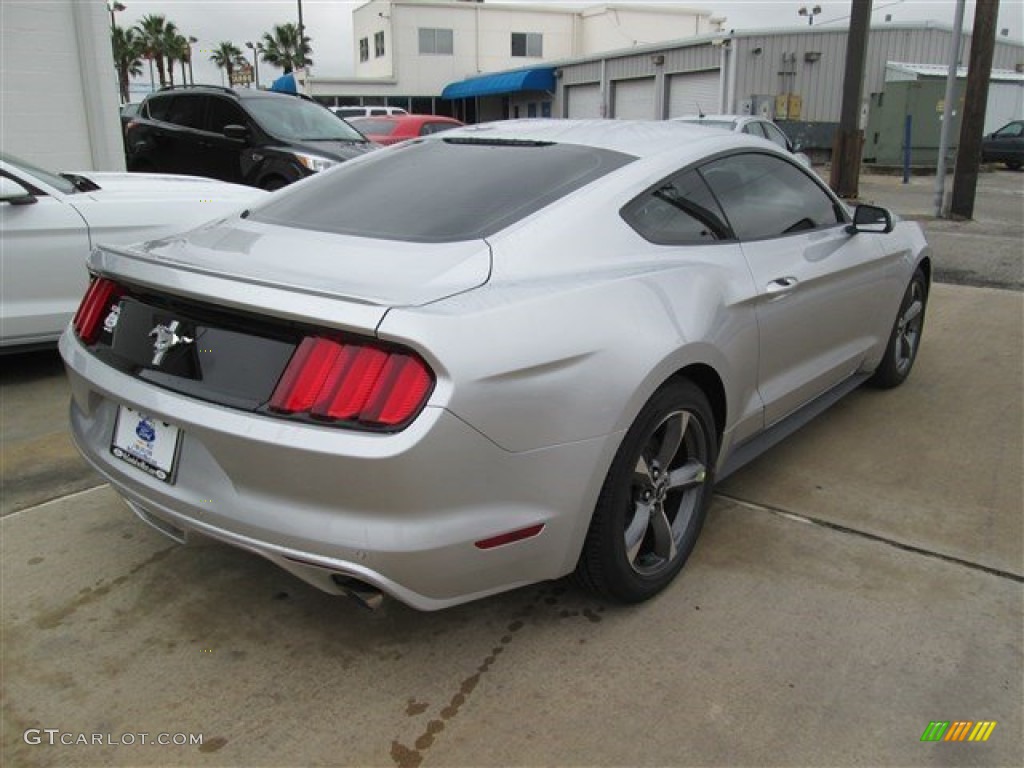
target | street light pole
x=302, y=34
x=256, y=48
x=810, y=13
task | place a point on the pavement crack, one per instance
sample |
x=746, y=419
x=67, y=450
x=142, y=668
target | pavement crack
x=784, y=513
x=51, y=619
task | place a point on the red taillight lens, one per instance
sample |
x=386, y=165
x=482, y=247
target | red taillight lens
x=352, y=382
x=96, y=303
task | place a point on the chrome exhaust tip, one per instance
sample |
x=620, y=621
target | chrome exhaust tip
x=365, y=595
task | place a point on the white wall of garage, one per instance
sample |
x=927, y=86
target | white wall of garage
x=59, y=101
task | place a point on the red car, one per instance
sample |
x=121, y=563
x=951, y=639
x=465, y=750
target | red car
x=392, y=129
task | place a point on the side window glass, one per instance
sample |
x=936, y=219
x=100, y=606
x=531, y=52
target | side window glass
x=765, y=196
x=186, y=111
x=774, y=134
x=754, y=129
x=222, y=112
x=1012, y=130
x=679, y=211
x=158, y=107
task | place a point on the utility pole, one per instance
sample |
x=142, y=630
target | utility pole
x=846, y=149
x=302, y=34
x=972, y=124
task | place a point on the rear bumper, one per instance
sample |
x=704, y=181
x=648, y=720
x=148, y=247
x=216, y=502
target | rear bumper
x=401, y=512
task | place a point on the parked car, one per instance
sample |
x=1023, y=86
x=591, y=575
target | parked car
x=128, y=113
x=499, y=355
x=244, y=136
x=348, y=112
x=1005, y=145
x=751, y=125
x=391, y=130
x=50, y=222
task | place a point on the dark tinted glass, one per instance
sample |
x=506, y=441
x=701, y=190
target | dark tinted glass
x=186, y=111
x=439, y=191
x=765, y=196
x=158, y=107
x=222, y=112
x=678, y=212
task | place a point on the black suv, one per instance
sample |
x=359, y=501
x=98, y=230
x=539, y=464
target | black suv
x=250, y=137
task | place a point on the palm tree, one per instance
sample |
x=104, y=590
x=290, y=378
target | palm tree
x=176, y=49
x=128, y=50
x=155, y=30
x=226, y=56
x=281, y=48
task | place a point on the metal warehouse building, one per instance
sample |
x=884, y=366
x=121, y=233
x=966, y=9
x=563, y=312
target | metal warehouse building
x=792, y=75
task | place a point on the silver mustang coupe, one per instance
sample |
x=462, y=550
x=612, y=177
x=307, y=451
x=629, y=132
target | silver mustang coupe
x=488, y=357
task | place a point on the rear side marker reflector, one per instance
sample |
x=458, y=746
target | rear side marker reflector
x=511, y=536
x=99, y=299
x=333, y=381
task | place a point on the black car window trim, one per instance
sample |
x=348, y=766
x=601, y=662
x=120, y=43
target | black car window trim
x=32, y=189
x=842, y=216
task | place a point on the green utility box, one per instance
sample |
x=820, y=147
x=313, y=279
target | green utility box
x=922, y=100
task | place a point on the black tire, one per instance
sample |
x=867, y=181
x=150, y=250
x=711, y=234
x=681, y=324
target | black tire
x=1013, y=165
x=660, y=512
x=273, y=182
x=905, y=339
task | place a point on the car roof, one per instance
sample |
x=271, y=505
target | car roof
x=640, y=138
x=240, y=93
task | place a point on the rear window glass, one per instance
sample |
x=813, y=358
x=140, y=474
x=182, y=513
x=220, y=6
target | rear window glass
x=374, y=127
x=439, y=190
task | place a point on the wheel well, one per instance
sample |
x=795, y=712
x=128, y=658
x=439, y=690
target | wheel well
x=926, y=267
x=705, y=377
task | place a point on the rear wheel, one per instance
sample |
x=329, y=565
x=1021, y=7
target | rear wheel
x=654, y=499
x=905, y=339
x=1013, y=165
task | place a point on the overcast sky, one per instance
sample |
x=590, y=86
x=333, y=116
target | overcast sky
x=329, y=22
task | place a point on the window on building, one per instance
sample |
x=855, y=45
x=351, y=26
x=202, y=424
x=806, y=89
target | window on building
x=364, y=49
x=378, y=44
x=437, y=42
x=529, y=44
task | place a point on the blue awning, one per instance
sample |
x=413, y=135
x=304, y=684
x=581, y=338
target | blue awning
x=285, y=84
x=540, y=79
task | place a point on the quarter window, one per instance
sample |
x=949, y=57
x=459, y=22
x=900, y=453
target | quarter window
x=528, y=44
x=678, y=211
x=436, y=41
x=765, y=196
x=157, y=107
x=378, y=44
x=774, y=134
x=364, y=49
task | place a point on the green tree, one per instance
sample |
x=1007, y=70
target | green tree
x=155, y=31
x=281, y=48
x=227, y=56
x=176, y=49
x=128, y=50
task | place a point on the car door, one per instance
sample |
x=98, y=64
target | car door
x=819, y=288
x=42, y=272
x=223, y=156
x=1007, y=144
x=183, y=135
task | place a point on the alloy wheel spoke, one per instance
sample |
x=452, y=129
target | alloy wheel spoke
x=691, y=473
x=664, y=542
x=675, y=428
x=637, y=529
x=913, y=311
x=642, y=473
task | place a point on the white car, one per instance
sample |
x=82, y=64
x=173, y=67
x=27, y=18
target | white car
x=49, y=223
x=750, y=125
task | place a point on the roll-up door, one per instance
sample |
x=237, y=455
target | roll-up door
x=634, y=99
x=694, y=92
x=584, y=100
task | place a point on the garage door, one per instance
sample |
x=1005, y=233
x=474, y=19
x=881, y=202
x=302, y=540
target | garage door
x=634, y=99
x=693, y=93
x=584, y=100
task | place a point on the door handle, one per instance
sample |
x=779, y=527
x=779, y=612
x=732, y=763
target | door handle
x=781, y=285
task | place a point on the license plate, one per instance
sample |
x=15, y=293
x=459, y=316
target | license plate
x=146, y=442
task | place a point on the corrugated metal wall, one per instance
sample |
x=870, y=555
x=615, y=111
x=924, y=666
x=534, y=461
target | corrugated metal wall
x=782, y=66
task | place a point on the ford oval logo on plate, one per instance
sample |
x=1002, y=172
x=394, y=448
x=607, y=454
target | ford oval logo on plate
x=145, y=431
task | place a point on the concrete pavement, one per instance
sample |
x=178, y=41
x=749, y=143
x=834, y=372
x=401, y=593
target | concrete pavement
x=858, y=582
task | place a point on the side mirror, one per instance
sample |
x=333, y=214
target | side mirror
x=12, y=192
x=236, y=132
x=870, y=218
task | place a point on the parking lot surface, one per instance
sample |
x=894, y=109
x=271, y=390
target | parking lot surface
x=861, y=580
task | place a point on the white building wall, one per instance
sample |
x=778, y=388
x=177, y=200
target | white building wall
x=612, y=28
x=59, y=108
x=367, y=20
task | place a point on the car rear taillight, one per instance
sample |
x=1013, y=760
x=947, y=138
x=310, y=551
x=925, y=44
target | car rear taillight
x=336, y=381
x=96, y=304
